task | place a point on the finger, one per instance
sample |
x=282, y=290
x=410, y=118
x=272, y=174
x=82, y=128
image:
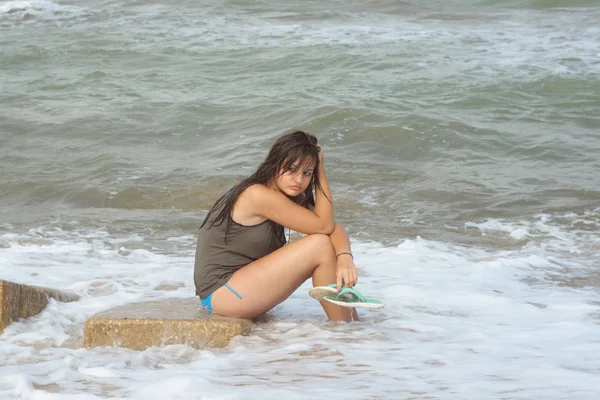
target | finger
x=339, y=282
x=349, y=282
x=348, y=279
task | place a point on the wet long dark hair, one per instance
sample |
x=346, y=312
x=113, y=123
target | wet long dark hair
x=287, y=149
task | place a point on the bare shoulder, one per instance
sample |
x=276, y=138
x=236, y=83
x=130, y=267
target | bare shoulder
x=245, y=211
x=258, y=196
x=257, y=192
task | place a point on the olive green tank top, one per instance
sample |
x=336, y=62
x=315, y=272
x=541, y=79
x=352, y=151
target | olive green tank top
x=216, y=260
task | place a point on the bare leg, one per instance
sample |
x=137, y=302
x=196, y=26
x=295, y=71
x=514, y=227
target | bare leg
x=268, y=281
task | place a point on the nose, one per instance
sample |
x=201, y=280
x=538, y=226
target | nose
x=298, y=178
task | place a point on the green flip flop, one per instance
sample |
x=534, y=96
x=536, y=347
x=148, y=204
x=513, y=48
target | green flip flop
x=320, y=292
x=353, y=298
x=347, y=297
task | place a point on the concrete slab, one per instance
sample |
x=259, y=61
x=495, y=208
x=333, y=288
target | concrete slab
x=138, y=326
x=23, y=301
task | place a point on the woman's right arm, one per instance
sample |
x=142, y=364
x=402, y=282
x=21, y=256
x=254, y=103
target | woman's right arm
x=276, y=206
x=323, y=200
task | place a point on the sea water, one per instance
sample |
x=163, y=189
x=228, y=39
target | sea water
x=461, y=143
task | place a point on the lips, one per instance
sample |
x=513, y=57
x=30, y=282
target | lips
x=295, y=187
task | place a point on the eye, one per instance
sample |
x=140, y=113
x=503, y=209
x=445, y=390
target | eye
x=307, y=173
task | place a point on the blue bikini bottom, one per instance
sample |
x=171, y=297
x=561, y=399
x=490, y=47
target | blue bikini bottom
x=207, y=301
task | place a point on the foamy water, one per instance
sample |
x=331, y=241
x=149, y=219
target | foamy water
x=459, y=322
x=461, y=144
x=44, y=10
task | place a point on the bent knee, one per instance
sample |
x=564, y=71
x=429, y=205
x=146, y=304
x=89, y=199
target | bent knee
x=321, y=244
x=319, y=239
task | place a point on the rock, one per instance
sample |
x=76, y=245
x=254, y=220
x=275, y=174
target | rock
x=23, y=301
x=138, y=326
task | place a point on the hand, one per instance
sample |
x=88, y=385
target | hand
x=345, y=272
x=320, y=154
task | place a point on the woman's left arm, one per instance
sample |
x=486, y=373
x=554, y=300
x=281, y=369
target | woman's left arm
x=346, y=270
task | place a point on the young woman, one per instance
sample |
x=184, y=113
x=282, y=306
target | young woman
x=242, y=268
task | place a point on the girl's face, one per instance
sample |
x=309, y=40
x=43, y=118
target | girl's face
x=295, y=180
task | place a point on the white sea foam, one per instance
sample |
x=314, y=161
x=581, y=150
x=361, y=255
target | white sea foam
x=569, y=233
x=459, y=322
x=495, y=225
x=13, y=6
x=518, y=42
x=37, y=8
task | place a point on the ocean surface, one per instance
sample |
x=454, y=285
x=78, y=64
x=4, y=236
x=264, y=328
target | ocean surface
x=462, y=143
